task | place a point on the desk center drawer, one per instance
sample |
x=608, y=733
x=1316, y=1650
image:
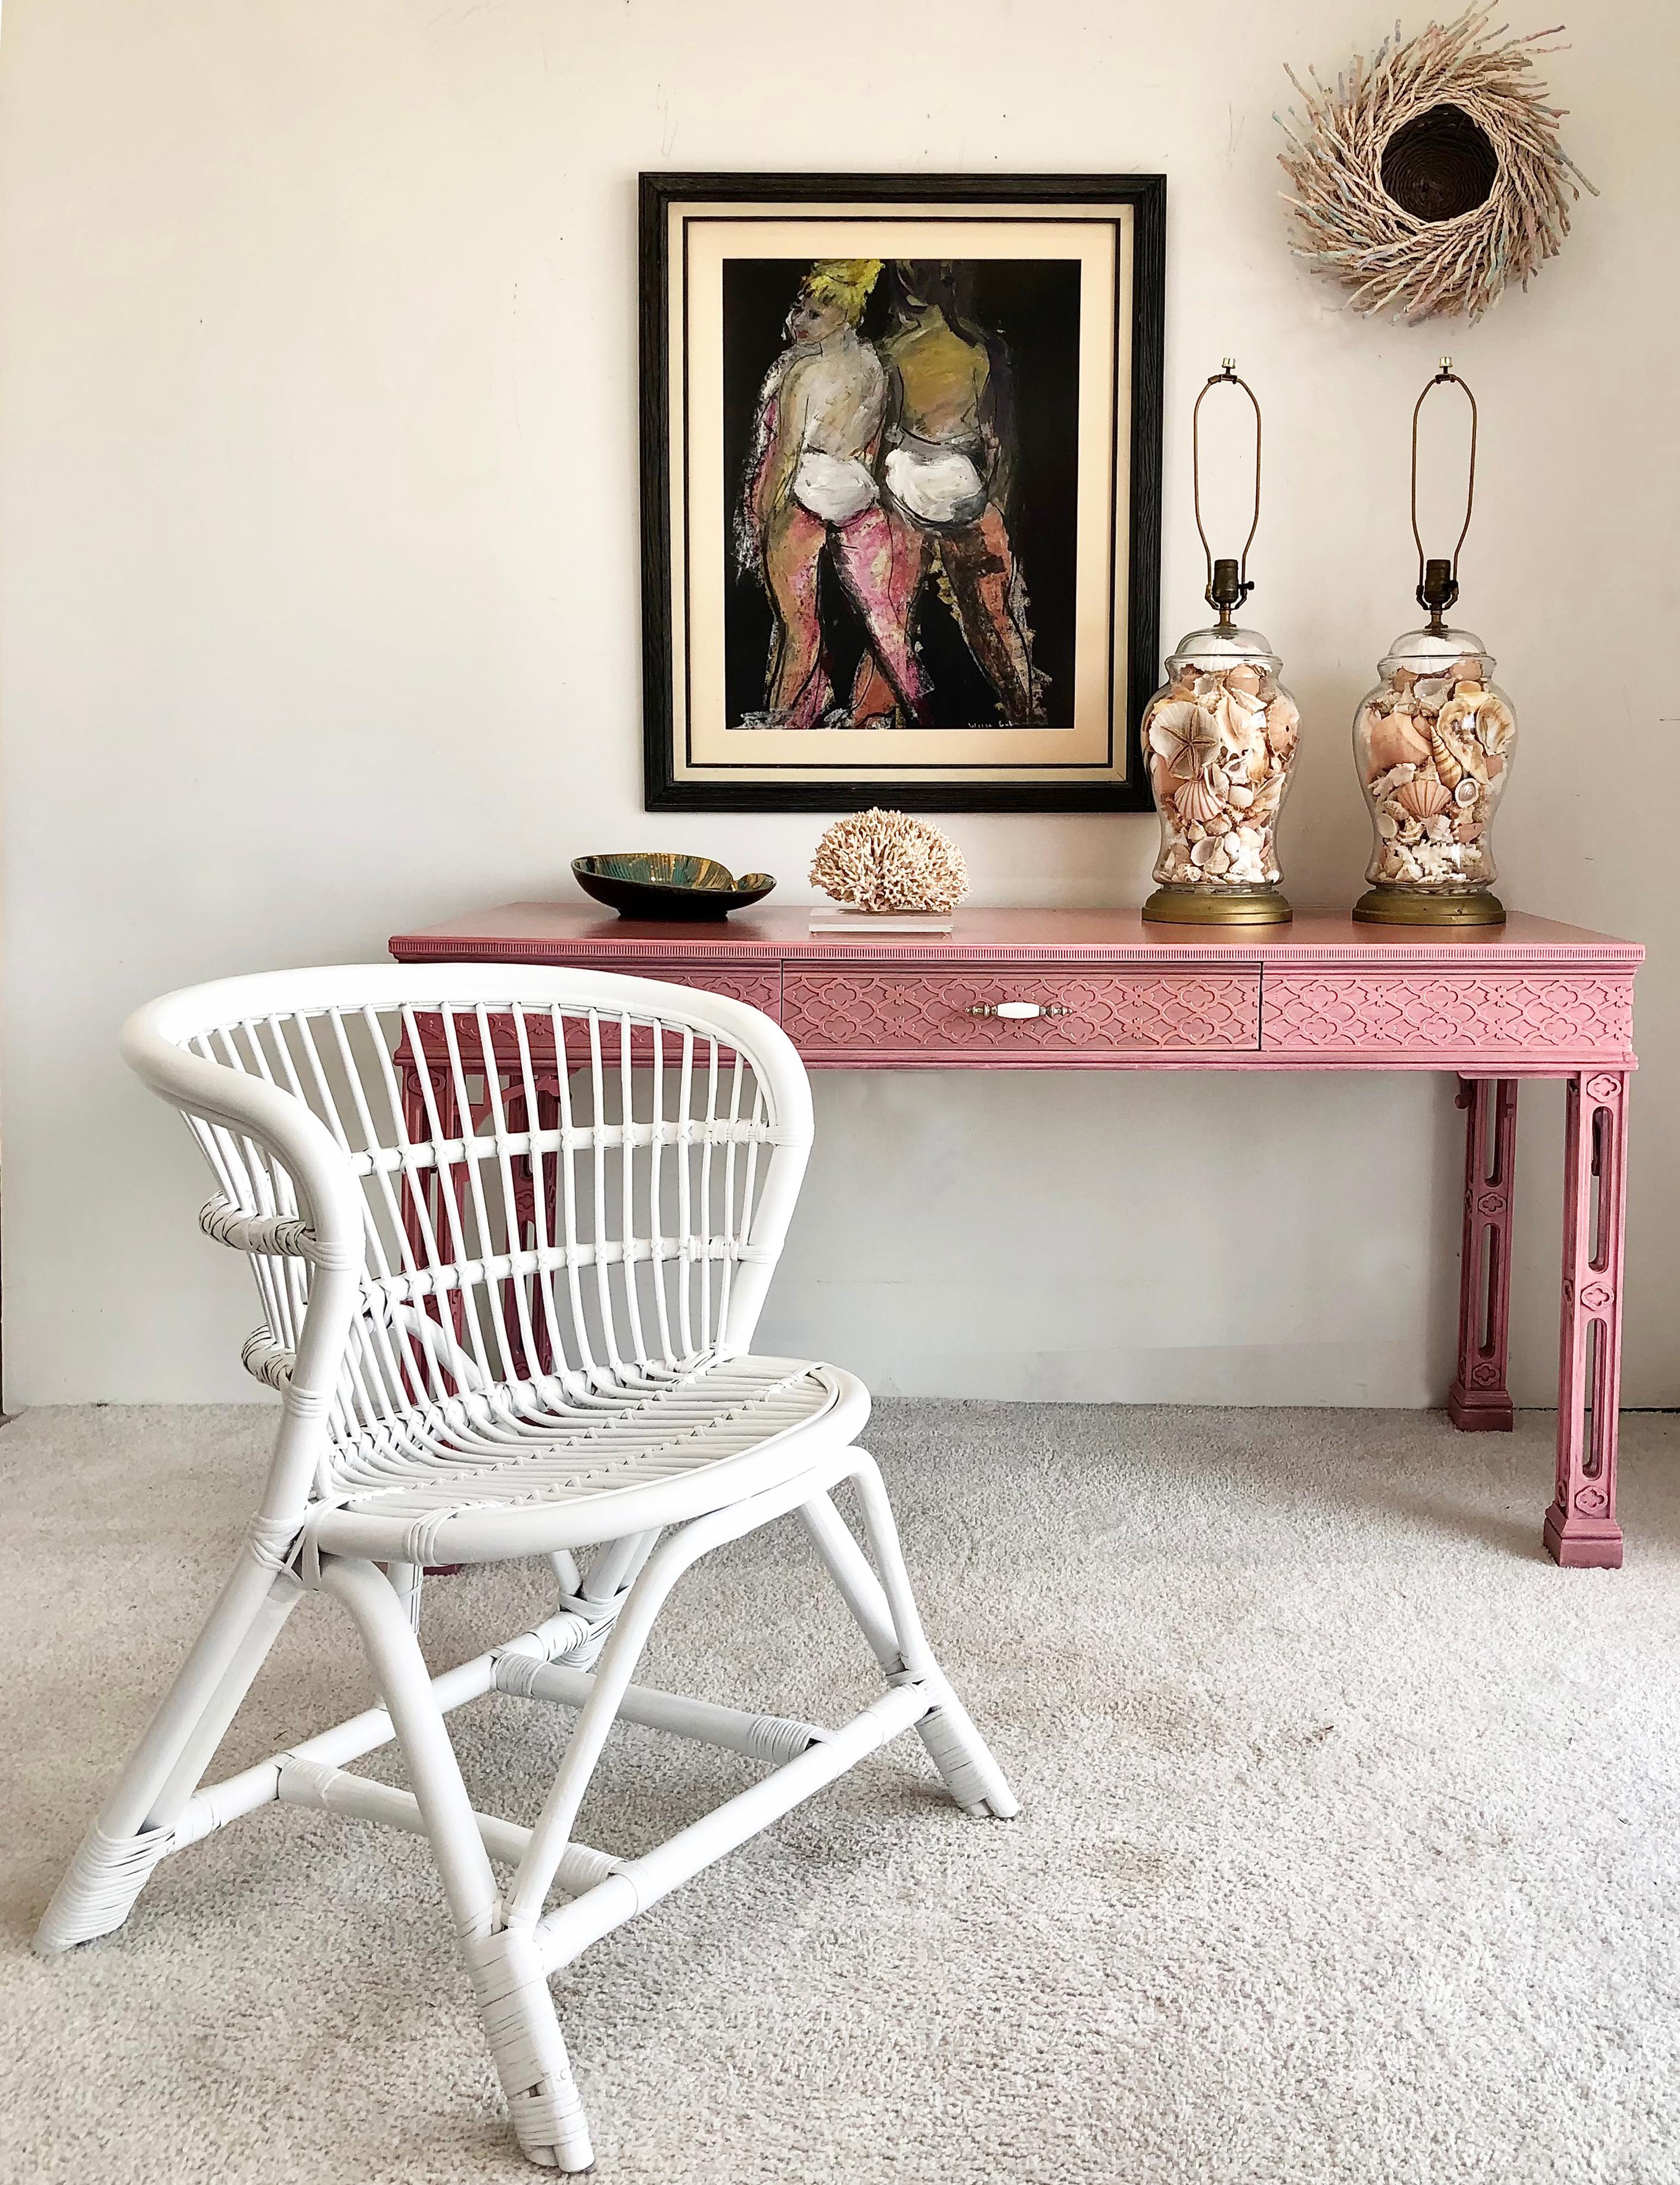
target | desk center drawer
x=967, y=1010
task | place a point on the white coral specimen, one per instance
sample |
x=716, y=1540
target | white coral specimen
x=882, y=861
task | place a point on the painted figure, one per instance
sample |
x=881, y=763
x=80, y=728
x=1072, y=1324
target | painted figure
x=949, y=452
x=812, y=488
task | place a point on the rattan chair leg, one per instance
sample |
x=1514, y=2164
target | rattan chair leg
x=134, y=1829
x=886, y=1612
x=516, y=2012
x=514, y=2005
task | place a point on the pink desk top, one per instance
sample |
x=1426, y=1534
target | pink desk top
x=528, y=931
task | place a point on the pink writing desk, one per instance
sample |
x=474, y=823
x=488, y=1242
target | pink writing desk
x=1100, y=990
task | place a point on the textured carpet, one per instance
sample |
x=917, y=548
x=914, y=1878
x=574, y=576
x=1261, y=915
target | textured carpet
x=1351, y=1847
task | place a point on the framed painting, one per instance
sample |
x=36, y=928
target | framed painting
x=901, y=489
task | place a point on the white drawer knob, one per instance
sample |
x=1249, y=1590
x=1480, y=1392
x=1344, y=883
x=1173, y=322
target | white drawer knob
x=1019, y=1010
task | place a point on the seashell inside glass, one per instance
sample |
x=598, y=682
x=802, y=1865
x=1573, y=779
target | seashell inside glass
x=1434, y=744
x=1219, y=740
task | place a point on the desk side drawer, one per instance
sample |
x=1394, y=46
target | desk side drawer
x=879, y=1015
x=1441, y=1014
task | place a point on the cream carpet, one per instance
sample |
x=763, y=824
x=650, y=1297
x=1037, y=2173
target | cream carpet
x=1351, y=1848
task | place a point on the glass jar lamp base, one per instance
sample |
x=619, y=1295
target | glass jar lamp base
x=1189, y=906
x=1394, y=906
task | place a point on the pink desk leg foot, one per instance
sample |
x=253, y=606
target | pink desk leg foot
x=1581, y=1526
x=1478, y=1399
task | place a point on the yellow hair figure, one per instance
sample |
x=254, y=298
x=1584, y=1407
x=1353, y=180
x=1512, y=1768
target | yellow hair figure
x=846, y=282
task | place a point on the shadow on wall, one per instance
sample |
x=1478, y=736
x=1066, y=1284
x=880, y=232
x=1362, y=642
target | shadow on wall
x=1142, y=1236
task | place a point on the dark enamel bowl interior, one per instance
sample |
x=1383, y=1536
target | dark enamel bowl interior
x=661, y=883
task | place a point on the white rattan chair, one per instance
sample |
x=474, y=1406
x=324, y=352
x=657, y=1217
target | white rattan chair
x=511, y=1229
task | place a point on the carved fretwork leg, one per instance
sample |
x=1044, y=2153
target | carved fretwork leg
x=1478, y=1398
x=1581, y=1526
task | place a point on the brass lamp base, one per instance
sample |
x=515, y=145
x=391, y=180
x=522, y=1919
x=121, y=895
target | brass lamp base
x=1183, y=906
x=1393, y=906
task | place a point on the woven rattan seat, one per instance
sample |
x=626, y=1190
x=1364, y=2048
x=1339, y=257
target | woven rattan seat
x=700, y=1433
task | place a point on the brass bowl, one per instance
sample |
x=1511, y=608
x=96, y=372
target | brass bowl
x=660, y=884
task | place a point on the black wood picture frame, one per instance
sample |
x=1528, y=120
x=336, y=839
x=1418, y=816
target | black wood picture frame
x=1146, y=195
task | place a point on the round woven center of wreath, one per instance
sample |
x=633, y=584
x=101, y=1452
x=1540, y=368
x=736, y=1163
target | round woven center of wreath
x=1440, y=164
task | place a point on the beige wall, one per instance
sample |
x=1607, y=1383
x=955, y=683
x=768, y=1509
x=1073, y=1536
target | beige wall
x=318, y=480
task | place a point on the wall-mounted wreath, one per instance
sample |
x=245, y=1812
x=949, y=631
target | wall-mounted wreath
x=1432, y=176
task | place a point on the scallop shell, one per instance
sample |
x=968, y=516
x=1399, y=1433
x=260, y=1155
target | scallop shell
x=1424, y=797
x=1243, y=678
x=1198, y=800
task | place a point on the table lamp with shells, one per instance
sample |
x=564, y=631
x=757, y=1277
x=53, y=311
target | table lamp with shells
x=1434, y=743
x=1219, y=739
